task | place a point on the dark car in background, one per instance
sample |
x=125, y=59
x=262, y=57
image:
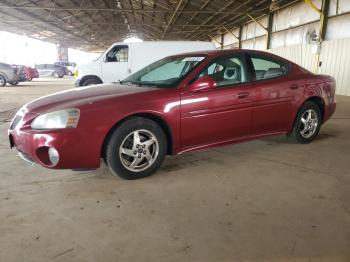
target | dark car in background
x=69, y=65
x=21, y=74
x=8, y=74
x=51, y=70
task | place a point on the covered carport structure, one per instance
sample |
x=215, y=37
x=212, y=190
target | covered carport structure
x=93, y=25
x=264, y=200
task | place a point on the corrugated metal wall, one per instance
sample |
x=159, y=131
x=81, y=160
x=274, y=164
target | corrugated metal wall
x=334, y=58
x=289, y=39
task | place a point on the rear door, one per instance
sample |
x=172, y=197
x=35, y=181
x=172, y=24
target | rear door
x=116, y=64
x=222, y=114
x=273, y=92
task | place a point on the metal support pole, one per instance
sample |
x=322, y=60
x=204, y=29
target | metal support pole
x=222, y=40
x=269, y=31
x=240, y=36
x=324, y=19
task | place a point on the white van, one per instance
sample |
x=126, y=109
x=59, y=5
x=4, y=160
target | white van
x=122, y=59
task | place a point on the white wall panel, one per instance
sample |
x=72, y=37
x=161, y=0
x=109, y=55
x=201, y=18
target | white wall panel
x=258, y=43
x=296, y=15
x=338, y=27
x=334, y=56
x=343, y=7
x=252, y=29
x=292, y=36
x=229, y=39
x=335, y=59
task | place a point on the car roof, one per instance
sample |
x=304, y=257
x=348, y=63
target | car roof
x=215, y=53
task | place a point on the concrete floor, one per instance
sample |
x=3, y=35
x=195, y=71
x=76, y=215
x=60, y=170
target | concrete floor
x=265, y=200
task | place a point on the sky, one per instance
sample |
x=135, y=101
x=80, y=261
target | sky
x=23, y=50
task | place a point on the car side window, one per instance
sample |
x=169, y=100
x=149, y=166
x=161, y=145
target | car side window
x=266, y=68
x=226, y=71
x=118, y=53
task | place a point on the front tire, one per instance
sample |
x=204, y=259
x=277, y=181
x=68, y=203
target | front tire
x=14, y=83
x=136, y=149
x=307, y=123
x=55, y=75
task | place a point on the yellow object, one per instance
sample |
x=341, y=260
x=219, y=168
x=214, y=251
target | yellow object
x=311, y=4
x=76, y=73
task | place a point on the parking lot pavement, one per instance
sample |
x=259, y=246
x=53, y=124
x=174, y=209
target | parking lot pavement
x=265, y=200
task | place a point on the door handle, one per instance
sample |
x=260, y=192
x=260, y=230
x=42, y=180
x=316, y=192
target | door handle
x=243, y=95
x=294, y=86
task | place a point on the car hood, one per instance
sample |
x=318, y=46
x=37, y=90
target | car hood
x=80, y=96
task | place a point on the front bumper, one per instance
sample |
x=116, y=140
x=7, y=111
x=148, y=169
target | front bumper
x=33, y=146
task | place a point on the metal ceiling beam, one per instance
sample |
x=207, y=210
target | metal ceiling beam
x=33, y=16
x=224, y=16
x=257, y=21
x=171, y=19
x=127, y=10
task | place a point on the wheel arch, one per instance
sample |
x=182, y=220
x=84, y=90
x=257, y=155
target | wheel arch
x=4, y=75
x=316, y=100
x=319, y=101
x=156, y=118
x=86, y=77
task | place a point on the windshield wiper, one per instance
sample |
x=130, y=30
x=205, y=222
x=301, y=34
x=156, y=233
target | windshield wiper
x=129, y=81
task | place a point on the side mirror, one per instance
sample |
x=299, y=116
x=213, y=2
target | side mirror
x=203, y=83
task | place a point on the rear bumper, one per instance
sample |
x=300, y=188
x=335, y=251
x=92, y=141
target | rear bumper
x=329, y=111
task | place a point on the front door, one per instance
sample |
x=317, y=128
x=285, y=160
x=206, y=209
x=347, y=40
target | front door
x=221, y=114
x=116, y=64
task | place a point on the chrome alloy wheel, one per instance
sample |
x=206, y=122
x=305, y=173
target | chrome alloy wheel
x=139, y=150
x=308, y=123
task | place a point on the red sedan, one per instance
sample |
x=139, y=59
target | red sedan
x=178, y=104
x=31, y=73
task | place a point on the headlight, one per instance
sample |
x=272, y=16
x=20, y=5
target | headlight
x=56, y=120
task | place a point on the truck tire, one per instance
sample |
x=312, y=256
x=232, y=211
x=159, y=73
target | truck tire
x=2, y=80
x=55, y=74
x=91, y=81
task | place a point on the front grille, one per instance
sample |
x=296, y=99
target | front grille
x=15, y=122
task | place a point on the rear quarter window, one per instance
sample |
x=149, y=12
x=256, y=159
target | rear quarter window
x=267, y=67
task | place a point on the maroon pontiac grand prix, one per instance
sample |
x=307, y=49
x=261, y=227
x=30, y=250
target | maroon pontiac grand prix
x=178, y=104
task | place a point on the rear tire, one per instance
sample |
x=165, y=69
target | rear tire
x=55, y=75
x=2, y=80
x=13, y=83
x=136, y=149
x=307, y=123
x=91, y=81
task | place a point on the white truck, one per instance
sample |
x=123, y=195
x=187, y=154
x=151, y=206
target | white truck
x=122, y=59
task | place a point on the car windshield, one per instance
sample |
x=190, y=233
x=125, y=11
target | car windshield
x=167, y=72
